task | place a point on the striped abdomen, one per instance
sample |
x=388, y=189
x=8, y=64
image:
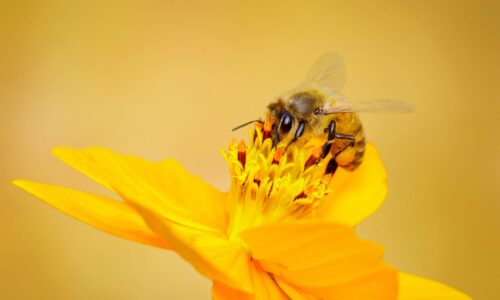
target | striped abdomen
x=349, y=157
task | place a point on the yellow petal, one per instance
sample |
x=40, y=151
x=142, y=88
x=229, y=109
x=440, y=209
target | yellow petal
x=265, y=288
x=416, y=288
x=209, y=252
x=224, y=292
x=382, y=285
x=366, y=288
x=356, y=194
x=163, y=187
x=293, y=292
x=108, y=215
x=322, y=256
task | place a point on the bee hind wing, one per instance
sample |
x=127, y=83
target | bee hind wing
x=373, y=106
x=328, y=72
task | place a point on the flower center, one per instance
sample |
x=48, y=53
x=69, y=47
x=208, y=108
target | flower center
x=273, y=183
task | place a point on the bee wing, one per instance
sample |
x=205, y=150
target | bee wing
x=380, y=105
x=327, y=72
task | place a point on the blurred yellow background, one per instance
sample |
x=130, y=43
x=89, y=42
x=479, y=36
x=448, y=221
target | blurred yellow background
x=170, y=79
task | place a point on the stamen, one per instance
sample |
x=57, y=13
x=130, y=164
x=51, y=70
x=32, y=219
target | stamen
x=270, y=189
x=257, y=129
x=242, y=153
x=302, y=195
x=259, y=125
x=268, y=127
x=305, y=193
x=314, y=158
x=258, y=177
x=276, y=182
x=278, y=155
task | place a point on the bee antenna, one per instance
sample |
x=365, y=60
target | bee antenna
x=246, y=124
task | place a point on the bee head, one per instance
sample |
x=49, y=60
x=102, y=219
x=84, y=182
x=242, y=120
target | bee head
x=282, y=119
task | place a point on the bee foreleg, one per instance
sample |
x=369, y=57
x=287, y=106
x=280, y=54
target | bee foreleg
x=298, y=134
x=276, y=136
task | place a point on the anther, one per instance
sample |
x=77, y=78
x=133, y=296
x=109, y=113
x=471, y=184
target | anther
x=302, y=195
x=305, y=193
x=270, y=189
x=277, y=155
x=258, y=177
x=268, y=127
x=258, y=128
x=242, y=153
x=314, y=158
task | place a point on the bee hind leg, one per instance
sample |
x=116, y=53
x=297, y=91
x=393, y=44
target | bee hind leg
x=345, y=137
x=332, y=166
x=332, y=135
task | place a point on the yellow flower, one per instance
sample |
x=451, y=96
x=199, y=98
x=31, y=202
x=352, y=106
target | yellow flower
x=284, y=230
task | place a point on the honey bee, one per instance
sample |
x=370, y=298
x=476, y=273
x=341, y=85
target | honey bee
x=316, y=109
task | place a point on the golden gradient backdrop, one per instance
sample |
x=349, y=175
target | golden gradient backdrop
x=170, y=79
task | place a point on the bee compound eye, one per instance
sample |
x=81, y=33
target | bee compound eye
x=286, y=122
